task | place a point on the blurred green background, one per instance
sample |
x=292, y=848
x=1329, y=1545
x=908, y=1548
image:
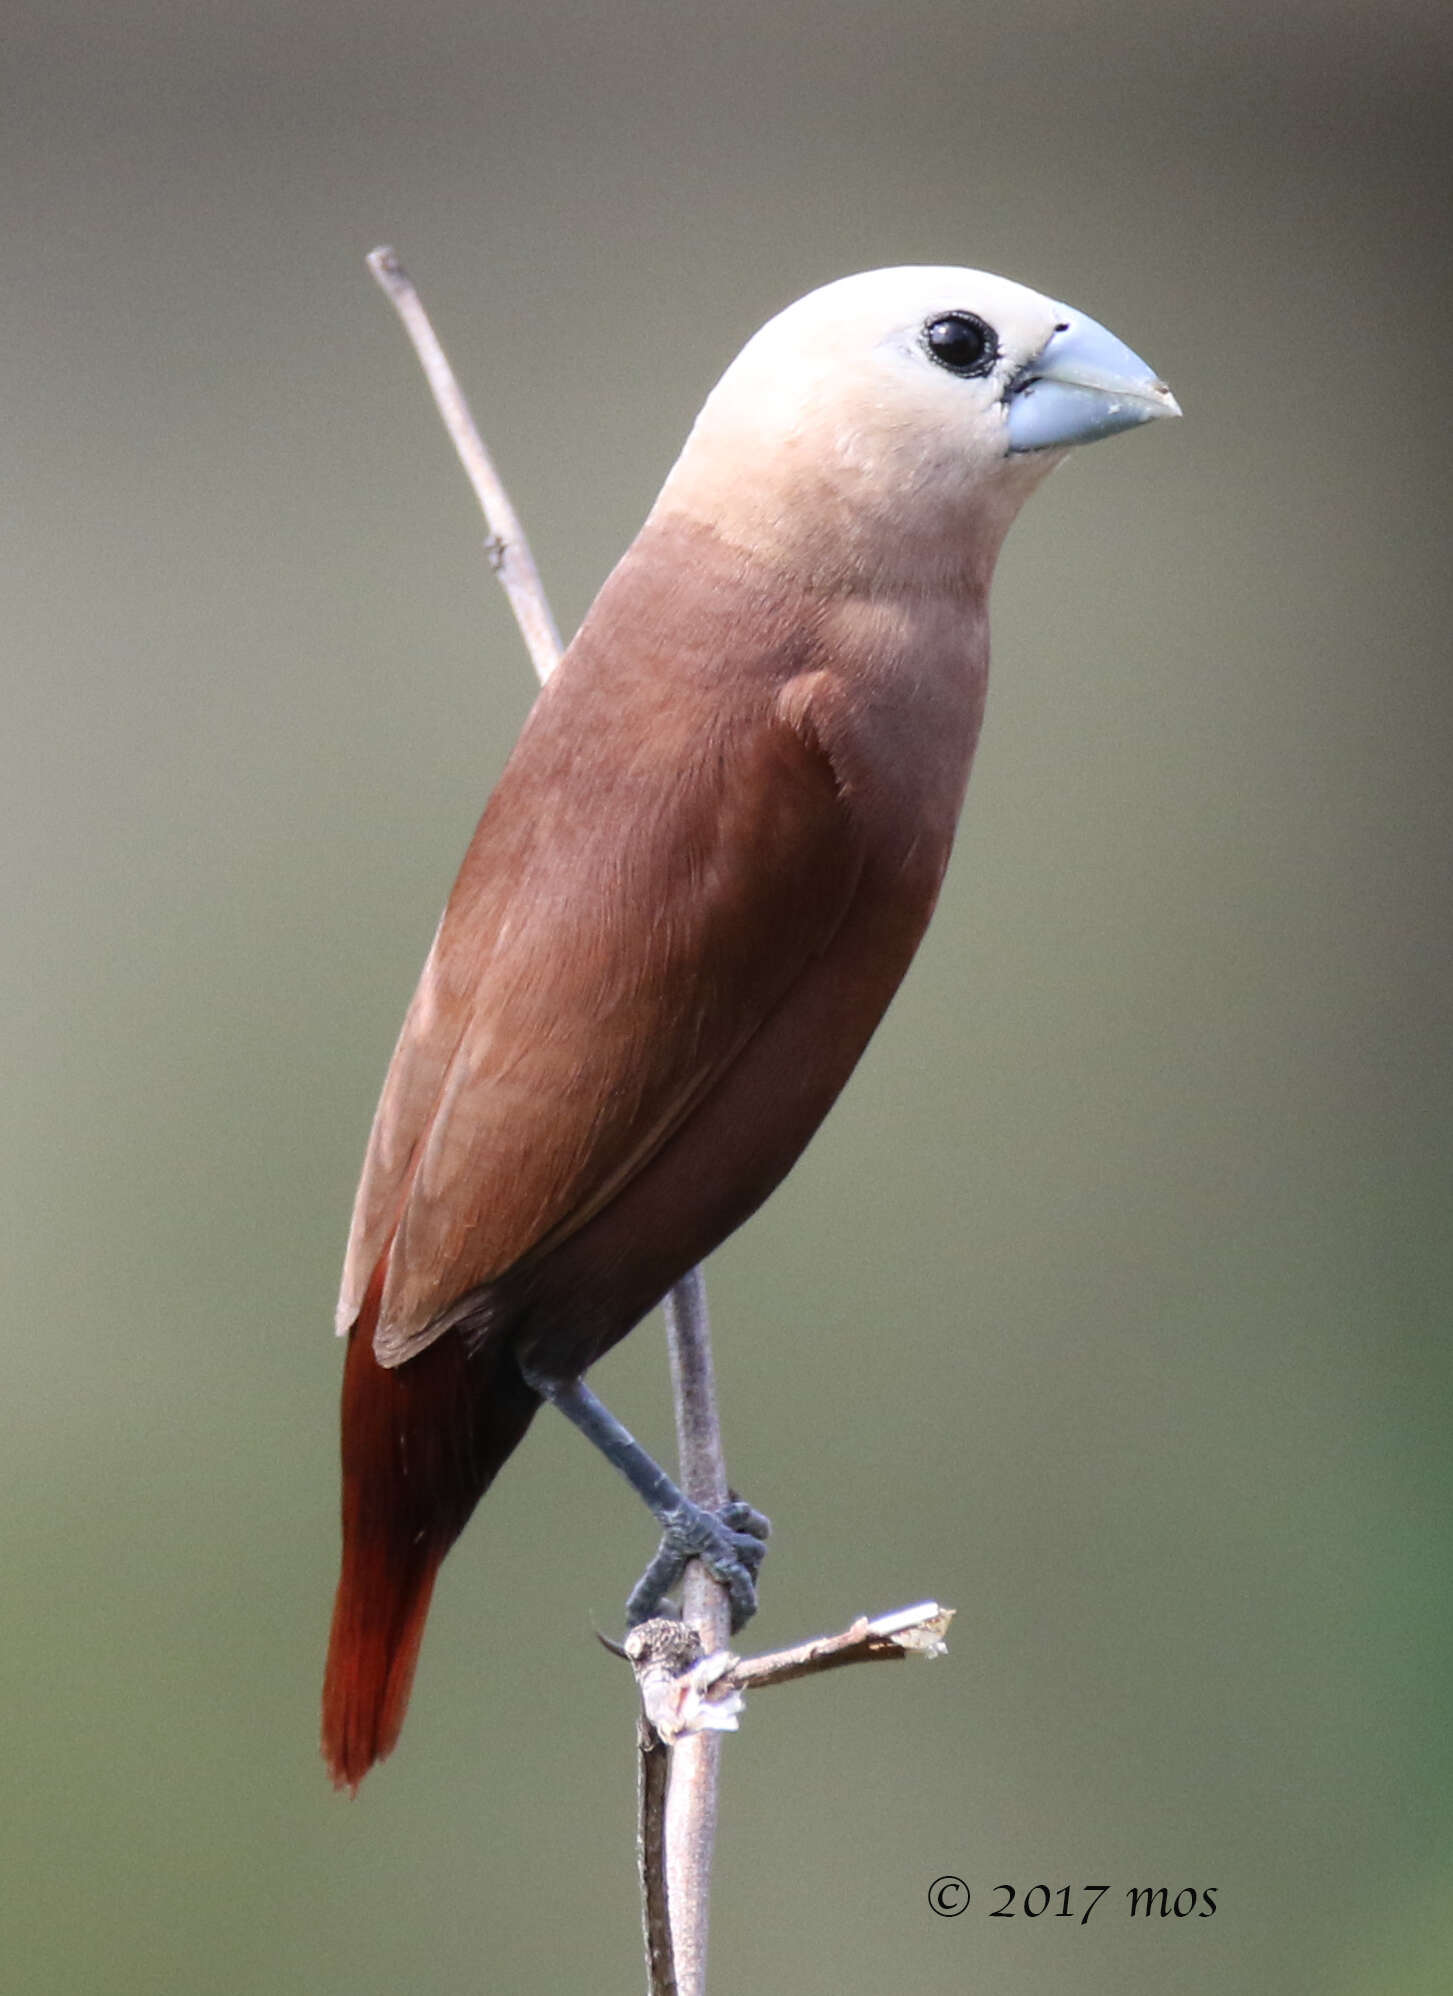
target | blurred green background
x=1110, y=1306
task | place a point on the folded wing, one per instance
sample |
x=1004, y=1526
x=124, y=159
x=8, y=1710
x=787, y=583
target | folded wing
x=643, y=891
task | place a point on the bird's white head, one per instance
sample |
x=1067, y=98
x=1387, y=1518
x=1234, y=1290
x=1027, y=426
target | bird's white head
x=887, y=428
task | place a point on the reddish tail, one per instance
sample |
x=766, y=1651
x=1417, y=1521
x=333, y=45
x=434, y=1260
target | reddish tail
x=421, y=1445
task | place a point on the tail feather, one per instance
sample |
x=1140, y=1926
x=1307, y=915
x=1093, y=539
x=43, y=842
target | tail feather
x=421, y=1445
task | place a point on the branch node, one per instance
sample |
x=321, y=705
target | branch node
x=682, y=1691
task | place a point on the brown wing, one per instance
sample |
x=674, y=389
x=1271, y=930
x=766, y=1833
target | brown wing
x=649, y=879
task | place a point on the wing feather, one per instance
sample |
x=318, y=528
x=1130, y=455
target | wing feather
x=636, y=902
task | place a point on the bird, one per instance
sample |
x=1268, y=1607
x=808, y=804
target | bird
x=692, y=894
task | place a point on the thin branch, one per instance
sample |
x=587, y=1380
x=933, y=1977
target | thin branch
x=508, y=550
x=688, y=1696
x=691, y=1812
x=691, y=1809
x=916, y=1631
x=653, y=1772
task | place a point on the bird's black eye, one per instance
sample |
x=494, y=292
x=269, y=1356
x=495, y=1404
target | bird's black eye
x=961, y=343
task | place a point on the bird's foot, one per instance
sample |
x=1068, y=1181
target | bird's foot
x=730, y=1542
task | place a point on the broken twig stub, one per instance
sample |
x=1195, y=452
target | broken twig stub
x=684, y=1692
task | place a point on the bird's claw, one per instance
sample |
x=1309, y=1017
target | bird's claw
x=730, y=1542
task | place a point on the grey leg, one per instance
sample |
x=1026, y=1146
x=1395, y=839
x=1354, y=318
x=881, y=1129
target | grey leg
x=731, y=1542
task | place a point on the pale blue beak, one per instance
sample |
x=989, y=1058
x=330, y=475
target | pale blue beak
x=1082, y=384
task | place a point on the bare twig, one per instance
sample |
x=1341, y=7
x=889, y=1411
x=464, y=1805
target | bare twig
x=916, y=1631
x=691, y=1809
x=691, y=1815
x=654, y=1768
x=686, y=1694
x=508, y=550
